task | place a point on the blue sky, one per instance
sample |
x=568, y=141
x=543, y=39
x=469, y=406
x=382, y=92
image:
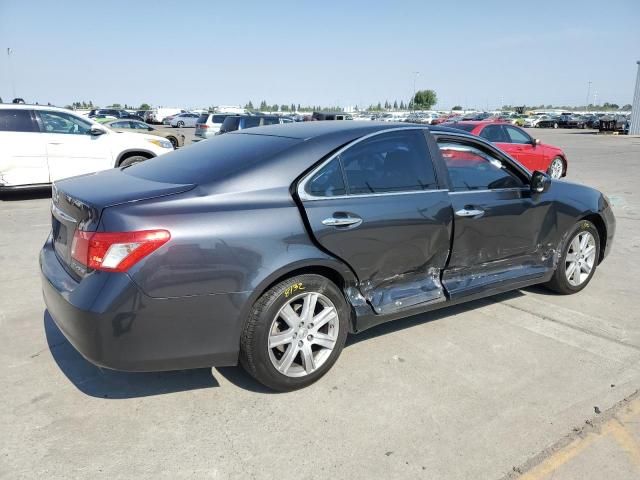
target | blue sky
x=200, y=53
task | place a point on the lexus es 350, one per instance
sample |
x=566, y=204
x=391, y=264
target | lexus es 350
x=268, y=246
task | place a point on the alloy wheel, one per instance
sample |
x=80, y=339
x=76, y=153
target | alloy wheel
x=303, y=334
x=556, y=168
x=580, y=258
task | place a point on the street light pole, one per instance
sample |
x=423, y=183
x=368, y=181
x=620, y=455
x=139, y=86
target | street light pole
x=588, y=92
x=413, y=99
x=13, y=85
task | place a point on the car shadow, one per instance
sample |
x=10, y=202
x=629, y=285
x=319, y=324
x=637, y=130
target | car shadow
x=30, y=194
x=110, y=384
x=408, y=322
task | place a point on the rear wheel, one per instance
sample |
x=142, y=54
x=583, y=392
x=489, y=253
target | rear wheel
x=180, y=124
x=556, y=168
x=174, y=142
x=295, y=332
x=578, y=260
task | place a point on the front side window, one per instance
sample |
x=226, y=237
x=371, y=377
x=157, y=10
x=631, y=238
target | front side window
x=517, y=136
x=471, y=168
x=60, y=122
x=16, y=121
x=389, y=162
x=120, y=125
x=327, y=182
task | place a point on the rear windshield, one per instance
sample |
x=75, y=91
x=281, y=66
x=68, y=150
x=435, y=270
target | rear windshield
x=203, y=118
x=215, y=159
x=461, y=126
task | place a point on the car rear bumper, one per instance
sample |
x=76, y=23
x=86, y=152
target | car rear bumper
x=114, y=325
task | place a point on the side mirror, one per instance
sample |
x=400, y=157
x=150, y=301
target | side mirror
x=536, y=141
x=540, y=182
x=96, y=131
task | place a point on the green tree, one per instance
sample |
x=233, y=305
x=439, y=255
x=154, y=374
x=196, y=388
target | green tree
x=627, y=107
x=425, y=99
x=263, y=105
x=249, y=106
x=115, y=105
x=395, y=105
x=284, y=108
x=402, y=105
x=143, y=106
x=457, y=107
x=379, y=106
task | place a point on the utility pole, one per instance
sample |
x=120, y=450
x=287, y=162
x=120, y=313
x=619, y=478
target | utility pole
x=588, y=92
x=13, y=85
x=413, y=99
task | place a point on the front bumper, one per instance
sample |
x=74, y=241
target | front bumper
x=114, y=325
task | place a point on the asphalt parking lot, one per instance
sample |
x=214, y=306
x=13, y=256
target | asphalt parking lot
x=527, y=382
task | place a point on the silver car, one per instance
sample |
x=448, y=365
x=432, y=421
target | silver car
x=185, y=120
x=208, y=125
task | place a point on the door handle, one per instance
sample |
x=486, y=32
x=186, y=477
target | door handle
x=469, y=212
x=342, y=220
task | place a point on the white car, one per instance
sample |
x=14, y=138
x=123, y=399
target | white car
x=41, y=144
x=532, y=122
x=185, y=120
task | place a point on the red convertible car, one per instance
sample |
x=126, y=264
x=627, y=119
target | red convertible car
x=530, y=152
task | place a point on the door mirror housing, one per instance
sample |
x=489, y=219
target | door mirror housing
x=540, y=182
x=535, y=141
x=96, y=131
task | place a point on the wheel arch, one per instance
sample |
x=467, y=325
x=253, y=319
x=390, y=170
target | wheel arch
x=598, y=221
x=133, y=153
x=332, y=269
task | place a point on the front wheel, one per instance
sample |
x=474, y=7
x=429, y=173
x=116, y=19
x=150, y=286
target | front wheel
x=180, y=124
x=578, y=260
x=127, y=162
x=295, y=332
x=556, y=168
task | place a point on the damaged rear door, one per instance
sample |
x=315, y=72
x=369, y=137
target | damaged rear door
x=378, y=206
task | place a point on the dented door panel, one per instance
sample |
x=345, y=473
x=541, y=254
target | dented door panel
x=513, y=239
x=397, y=251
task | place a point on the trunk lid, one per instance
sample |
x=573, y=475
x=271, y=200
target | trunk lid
x=77, y=203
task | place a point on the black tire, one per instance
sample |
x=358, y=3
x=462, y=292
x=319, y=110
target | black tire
x=559, y=282
x=180, y=124
x=174, y=141
x=254, y=353
x=132, y=160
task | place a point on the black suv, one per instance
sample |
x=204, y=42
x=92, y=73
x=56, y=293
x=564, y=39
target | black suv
x=240, y=122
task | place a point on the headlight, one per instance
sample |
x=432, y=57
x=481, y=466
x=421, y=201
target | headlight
x=161, y=143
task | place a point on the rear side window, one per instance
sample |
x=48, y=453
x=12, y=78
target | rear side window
x=328, y=181
x=16, y=121
x=230, y=124
x=252, y=122
x=270, y=121
x=390, y=162
x=203, y=118
x=218, y=118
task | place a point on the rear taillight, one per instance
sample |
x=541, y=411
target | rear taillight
x=203, y=125
x=115, y=251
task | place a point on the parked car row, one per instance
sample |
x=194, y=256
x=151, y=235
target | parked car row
x=42, y=144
